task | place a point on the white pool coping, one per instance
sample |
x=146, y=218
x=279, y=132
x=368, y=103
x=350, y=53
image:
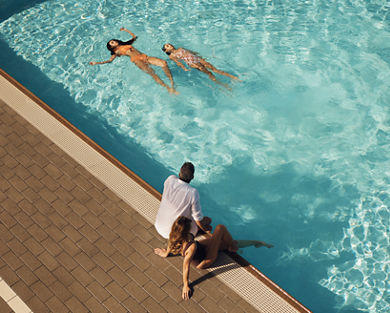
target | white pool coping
x=248, y=282
x=12, y=299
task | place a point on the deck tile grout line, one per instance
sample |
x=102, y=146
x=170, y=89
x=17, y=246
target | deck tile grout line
x=99, y=167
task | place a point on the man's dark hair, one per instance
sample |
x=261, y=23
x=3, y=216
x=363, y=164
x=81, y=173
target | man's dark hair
x=187, y=172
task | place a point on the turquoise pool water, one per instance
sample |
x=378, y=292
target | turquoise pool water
x=296, y=154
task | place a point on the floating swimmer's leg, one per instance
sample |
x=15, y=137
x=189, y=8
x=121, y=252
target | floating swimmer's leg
x=147, y=69
x=203, y=69
x=164, y=65
x=214, y=69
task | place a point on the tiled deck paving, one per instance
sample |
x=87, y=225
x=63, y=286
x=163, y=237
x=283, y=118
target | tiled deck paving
x=79, y=214
x=4, y=307
x=69, y=244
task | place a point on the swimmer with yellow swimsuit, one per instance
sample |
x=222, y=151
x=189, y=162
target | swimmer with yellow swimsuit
x=119, y=48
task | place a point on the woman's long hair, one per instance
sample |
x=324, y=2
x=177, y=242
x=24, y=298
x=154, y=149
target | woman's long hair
x=121, y=43
x=180, y=234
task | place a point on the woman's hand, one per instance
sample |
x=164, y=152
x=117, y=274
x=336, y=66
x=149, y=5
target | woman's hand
x=161, y=252
x=127, y=31
x=186, y=292
x=92, y=63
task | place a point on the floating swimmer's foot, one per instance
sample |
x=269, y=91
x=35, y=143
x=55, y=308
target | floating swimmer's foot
x=227, y=87
x=173, y=91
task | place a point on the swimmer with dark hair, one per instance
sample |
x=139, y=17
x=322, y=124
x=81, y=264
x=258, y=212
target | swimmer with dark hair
x=193, y=60
x=119, y=48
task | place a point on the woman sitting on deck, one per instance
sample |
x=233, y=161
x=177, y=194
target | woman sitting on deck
x=119, y=48
x=202, y=253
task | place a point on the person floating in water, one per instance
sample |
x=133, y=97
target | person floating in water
x=202, y=253
x=193, y=60
x=119, y=48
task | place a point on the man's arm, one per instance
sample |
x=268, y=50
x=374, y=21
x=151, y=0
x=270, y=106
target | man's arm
x=104, y=62
x=204, y=224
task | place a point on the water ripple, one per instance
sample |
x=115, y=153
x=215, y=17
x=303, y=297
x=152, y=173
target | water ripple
x=314, y=99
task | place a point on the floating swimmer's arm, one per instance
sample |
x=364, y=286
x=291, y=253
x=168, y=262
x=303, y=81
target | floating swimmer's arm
x=178, y=63
x=104, y=62
x=127, y=31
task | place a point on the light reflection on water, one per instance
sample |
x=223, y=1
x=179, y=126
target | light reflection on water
x=296, y=154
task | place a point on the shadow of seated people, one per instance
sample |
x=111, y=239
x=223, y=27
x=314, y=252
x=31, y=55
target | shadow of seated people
x=222, y=265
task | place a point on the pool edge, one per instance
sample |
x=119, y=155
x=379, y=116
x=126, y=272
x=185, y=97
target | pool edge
x=80, y=134
x=243, y=263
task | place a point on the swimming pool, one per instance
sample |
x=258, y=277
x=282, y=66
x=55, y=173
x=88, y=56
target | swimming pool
x=296, y=154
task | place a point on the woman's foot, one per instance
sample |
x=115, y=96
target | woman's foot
x=173, y=91
x=262, y=244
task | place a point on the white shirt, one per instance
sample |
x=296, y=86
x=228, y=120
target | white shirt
x=178, y=199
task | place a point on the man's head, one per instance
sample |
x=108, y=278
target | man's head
x=187, y=172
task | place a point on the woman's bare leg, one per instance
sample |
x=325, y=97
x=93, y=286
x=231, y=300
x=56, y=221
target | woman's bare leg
x=255, y=243
x=214, y=69
x=147, y=69
x=203, y=69
x=219, y=240
x=164, y=65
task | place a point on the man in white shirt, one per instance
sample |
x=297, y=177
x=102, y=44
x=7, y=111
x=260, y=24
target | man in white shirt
x=181, y=199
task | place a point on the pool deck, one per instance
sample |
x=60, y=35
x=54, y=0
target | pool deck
x=77, y=235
